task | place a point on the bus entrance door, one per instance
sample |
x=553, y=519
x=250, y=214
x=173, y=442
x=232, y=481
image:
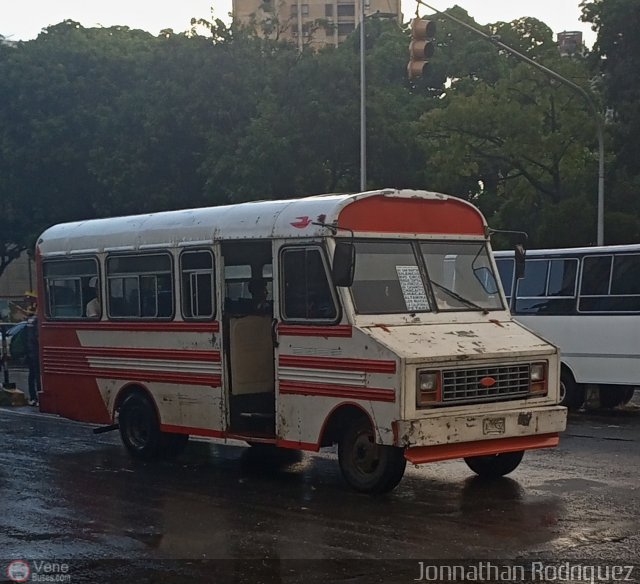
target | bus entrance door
x=248, y=341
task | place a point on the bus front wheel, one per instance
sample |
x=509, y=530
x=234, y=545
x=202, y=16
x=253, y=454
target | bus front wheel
x=496, y=465
x=369, y=467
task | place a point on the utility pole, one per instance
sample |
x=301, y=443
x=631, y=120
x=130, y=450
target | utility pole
x=363, y=103
x=594, y=109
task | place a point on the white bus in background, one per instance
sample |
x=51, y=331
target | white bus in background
x=587, y=302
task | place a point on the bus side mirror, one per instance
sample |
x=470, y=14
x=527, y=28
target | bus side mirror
x=344, y=264
x=520, y=256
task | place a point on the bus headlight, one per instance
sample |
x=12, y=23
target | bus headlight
x=538, y=379
x=428, y=388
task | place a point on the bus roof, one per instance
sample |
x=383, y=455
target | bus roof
x=575, y=251
x=384, y=211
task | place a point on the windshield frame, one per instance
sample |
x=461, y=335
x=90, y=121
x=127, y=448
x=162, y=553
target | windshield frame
x=433, y=305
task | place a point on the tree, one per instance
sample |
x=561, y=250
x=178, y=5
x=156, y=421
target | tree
x=616, y=54
x=520, y=146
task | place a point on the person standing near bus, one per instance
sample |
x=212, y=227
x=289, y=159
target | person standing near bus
x=33, y=360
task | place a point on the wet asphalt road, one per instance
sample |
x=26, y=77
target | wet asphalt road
x=69, y=494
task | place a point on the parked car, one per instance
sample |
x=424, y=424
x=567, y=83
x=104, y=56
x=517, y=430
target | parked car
x=17, y=344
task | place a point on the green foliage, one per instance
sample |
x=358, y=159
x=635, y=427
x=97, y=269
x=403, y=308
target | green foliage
x=617, y=56
x=107, y=121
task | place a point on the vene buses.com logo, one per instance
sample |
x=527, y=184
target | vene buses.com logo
x=18, y=571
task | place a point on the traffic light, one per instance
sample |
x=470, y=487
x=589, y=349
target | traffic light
x=422, y=46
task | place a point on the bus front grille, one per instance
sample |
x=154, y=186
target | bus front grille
x=485, y=384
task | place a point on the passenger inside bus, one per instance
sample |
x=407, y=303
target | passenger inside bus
x=92, y=309
x=259, y=293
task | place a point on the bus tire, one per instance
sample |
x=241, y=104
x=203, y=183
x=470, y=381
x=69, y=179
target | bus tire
x=571, y=394
x=612, y=397
x=495, y=465
x=369, y=467
x=139, y=427
x=628, y=396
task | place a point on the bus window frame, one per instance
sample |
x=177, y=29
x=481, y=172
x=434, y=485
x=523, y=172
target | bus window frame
x=332, y=288
x=613, y=257
x=47, y=297
x=138, y=254
x=214, y=303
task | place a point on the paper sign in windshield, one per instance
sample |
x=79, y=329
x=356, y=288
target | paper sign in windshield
x=412, y=287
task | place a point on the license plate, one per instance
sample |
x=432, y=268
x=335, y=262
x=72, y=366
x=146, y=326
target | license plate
x=493, y=426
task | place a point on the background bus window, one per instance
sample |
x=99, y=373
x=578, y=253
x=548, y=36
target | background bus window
x=610, y=284
x=506, y=269
x=549, y=287
x=67, y=287
x=197, y=284
x=562, y=277
x=140, y=286
x=307, y=292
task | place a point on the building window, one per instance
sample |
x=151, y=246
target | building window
x=346, y=28
x=328, y=10
x=304, y=10
x=346, y=10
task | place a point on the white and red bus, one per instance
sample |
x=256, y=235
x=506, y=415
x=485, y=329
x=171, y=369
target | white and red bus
x=384, y=330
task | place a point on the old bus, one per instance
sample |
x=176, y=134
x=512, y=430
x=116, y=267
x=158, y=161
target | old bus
x=379, y=326
x=586, y=301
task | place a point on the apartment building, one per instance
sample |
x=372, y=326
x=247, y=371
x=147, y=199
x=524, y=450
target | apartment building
x=310, y=22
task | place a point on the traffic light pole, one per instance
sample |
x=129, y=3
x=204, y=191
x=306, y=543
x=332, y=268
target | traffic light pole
x=564, y=81
x=363, y=103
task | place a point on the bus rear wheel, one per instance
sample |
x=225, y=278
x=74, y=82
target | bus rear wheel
x=140, y=431
x=139, y=427
x=495, y=465
x=369, y=467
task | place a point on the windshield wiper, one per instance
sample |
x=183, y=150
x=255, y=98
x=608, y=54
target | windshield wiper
x=459, y=298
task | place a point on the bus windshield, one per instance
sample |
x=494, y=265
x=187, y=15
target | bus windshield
x=400, y=276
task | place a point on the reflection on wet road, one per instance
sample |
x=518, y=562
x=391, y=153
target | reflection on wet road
x=69, y=494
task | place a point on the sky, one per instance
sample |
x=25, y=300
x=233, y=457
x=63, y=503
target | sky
x=23, y=19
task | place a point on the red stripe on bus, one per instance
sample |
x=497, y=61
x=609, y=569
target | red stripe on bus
x=342, y=364
x=193, y=431
x=141, y=326
x=129, y=375
x=210, y=433
x=339, y=391
x=422, y=454
x=66, y=353
x=299, y=330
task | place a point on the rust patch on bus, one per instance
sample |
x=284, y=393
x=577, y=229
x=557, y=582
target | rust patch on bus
x=524, y=419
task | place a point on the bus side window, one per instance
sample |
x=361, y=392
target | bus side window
x=67, y=287
x=196, y=268
x=307, y=288
x=140, y=286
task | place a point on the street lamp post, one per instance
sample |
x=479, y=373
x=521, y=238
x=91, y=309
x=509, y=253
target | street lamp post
x=363, y=103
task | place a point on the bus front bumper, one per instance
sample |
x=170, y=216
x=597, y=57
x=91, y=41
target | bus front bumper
x=456, y=436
